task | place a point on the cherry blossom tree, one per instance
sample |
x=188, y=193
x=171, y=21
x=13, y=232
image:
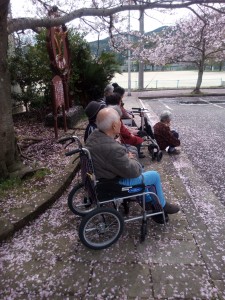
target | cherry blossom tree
x=106, y=13
x=198, y=39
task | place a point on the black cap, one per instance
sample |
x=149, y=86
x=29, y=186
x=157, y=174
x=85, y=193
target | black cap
x=93, y=108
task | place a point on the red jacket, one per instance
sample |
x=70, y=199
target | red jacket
x=164, y=137
x=128, y=138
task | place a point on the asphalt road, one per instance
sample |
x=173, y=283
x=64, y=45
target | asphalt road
x=201, y=125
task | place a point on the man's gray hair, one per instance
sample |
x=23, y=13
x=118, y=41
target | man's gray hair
x=165, y=115
x=117, y=108
x=108, y=89
x=105, y=124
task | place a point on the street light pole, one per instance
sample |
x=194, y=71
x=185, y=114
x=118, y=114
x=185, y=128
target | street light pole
x=128, y=58
x=141, y=64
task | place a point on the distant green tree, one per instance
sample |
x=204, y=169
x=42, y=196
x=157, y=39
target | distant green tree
x=30, y=69
x=22, y=73
x=89, y=74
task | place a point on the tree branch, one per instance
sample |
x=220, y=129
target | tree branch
x=32, y=23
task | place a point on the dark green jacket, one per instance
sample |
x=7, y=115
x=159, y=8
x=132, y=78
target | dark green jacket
x=110, y=158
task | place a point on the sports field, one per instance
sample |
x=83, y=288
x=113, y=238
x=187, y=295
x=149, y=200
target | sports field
x=171, y=79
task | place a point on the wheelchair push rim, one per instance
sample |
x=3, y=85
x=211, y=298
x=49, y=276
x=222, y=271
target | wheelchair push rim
x=79, y=201
x=101, y=228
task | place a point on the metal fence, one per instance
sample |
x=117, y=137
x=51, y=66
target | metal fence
x=174, y=84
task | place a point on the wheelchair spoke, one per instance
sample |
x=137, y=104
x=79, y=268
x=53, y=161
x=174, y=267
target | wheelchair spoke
x=79, y=201
x=101, y=228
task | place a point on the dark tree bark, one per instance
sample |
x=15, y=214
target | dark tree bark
x=199, y=80
x=8, y=153
x=201, y=66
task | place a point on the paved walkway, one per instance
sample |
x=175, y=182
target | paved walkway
x=181, y=261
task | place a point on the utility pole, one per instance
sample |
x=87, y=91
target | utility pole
x=141, y=64
x=128, y=58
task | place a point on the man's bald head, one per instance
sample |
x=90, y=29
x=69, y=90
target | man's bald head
x=106, y=119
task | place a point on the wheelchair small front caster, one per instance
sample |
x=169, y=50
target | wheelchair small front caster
x=159, y=156
x=143, y=231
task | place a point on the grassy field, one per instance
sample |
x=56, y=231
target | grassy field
x=172, y=79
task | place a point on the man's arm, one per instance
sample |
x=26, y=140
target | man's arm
x=124, y=164
x=170, y=138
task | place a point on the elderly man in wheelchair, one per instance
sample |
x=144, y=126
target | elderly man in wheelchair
x=112, y=161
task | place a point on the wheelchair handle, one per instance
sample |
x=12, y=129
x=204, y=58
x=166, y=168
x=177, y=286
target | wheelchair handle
x=139, y=109
x=72, y=139
x=65, y=139
x=73, y=152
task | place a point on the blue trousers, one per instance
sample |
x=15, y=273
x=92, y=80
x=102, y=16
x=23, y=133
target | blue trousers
x=150, y=178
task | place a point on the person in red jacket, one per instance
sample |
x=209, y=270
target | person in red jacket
x=166, y=138
x=126, y=135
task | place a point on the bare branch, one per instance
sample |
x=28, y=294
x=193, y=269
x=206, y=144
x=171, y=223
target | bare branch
x=221, y=11
x=32, y=23
x=198, y=15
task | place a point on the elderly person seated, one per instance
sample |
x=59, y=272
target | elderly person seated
x=108, y=90
x=91, y=111
x=128, y=135
x=125, y=113
x=111, y=160
x=166, y=138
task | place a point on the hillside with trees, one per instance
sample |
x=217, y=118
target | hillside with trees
x=99, y=46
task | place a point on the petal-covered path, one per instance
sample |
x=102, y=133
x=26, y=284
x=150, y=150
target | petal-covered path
x=185, y=260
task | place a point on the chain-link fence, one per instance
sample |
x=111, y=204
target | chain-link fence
x=151, y=82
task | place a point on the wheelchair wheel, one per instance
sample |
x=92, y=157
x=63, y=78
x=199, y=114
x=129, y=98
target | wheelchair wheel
x=79, y=202
x=152, y=150
x=159, y=156
x=101, y=228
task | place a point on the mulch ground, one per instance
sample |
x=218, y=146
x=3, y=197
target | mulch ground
x=40, y=150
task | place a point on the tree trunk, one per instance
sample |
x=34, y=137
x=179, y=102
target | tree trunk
x=199, y=80
x=8, y=152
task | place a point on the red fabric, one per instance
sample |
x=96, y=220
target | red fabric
x=128, y=138
x=164, y=136
x=125, y=114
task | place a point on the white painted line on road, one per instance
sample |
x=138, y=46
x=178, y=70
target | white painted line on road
x=166, y=106
x=152, y=117
x=217, y=105
x=203, y=100
x=214, y=104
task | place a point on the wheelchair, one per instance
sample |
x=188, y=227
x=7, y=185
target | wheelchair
x=153, y=147
x=98, y=203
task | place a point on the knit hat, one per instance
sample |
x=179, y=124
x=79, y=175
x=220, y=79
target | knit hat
x=93, y=108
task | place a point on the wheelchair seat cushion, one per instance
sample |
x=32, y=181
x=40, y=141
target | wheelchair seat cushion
x=108, y=189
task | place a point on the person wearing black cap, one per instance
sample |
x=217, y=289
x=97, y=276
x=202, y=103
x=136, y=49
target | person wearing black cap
x=91, y=111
